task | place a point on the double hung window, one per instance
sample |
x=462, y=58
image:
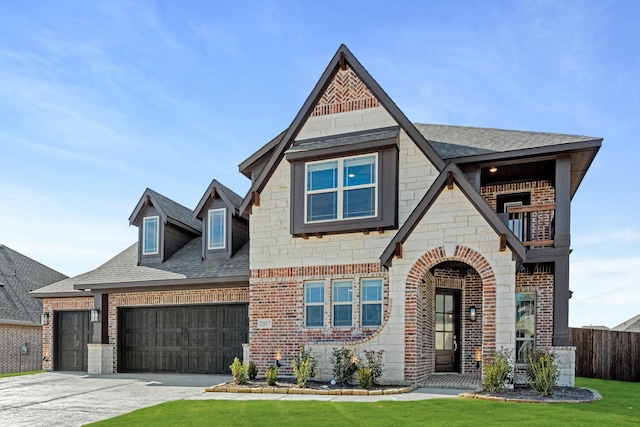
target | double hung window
x=341, y=189
x=314, y=304
x=217, y=227
x=371, y=302
x=342, y=302
x=150, y=235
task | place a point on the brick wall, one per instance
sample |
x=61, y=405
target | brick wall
x=542, y=192
x=49, y=305
x=278, y=294
x=538, y=279
x=346, y=92
x=158, y=298
x=12, y=338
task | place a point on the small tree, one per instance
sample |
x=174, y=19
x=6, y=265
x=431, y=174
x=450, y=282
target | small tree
x=252, y=370
x=239, y=371
x=344, y=365
x=271, y=375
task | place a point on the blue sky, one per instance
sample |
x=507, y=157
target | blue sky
x=100, y=100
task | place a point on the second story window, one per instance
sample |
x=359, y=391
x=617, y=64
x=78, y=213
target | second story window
x=150, y=235
x=217, y=229
x=341, y=189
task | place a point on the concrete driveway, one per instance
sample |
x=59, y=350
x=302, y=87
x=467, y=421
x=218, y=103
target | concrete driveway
x=70, y=399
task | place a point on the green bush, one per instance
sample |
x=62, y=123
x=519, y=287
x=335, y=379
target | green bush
x=239, y=371
x=344, y=365
x=304, y=365
x=498, y=372
x=373, y=361
x=365, y=377
x=252, y=370
x=542, y=372
x=271, y=375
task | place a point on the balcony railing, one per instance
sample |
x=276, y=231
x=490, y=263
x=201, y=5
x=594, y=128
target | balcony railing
x=533, y=225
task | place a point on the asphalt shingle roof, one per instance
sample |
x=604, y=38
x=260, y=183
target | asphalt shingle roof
x=187, y=263
x=462, y=141
x=175, y=210
x=19, y=275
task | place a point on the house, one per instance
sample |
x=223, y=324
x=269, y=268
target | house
x=631, y=325
x=437, y=244
x=20, y=329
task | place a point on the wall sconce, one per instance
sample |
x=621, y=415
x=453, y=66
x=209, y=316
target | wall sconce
x=278, y=357
x=472, y=313
x=478, y=357
x=95, y=315
x=44, y=319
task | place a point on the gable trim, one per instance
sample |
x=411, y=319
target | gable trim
x=342, y=56
x=451, y=170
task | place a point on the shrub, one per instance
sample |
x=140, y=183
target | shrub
x=252, y=370
x=304, y=365
x=498, y=372
x=271, y=375
x=542, y=372
x=344, y=365
x=239, y=371
x=365, y=377
x=373, y=361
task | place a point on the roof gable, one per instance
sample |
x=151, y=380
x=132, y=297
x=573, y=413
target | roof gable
x=341, y=58
x=228, y=196
x=169, y=210
x=430, y=197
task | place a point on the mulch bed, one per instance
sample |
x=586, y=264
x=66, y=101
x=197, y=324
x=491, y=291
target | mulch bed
x=526, y=394
x=289, y=385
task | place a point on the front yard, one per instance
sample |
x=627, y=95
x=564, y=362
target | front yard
x=620, y=405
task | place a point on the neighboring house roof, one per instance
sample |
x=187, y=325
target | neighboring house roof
x=169, y=210
x=184, y=267
x=430, y=197
x=342, y=57
x=230, y=198
x=631, y=325
x=19, y=275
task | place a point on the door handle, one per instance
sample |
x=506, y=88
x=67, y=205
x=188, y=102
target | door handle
x=455, y=343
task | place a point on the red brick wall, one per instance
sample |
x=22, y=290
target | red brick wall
x=478, y=288
x=49, y=305
x=539, y=280
x=346, y=92
x=542, y=192
x=157, y=298
x=278, y=294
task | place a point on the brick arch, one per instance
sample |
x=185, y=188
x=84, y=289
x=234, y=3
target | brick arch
x=413, y=306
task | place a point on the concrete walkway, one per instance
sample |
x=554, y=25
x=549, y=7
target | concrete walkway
x=74, y=399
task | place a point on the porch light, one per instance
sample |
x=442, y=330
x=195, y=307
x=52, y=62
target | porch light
x=95, y=315
x=44, y=319
x=478, y=357
x=472, y=313
x=493, y=169
x=278, y=357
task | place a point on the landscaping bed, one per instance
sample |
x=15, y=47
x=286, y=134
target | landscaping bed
x=528, y=395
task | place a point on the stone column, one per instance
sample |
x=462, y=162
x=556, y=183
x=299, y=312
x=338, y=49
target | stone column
x=566, y=361
x=100, y=359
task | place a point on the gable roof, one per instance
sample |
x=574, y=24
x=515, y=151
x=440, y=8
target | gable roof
x=631, y=325
x=430, y=197
x=344, y=54
x=19, y=275
x=169, y=210
x=185, y=267
x=229, y=197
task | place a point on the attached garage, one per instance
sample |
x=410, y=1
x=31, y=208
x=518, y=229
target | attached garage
x=183, y=339
x=72, y=333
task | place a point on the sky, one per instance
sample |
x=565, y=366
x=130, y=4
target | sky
x=101, y=99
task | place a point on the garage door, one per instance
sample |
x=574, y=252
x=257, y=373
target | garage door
x=71, y=338
x=185, y=339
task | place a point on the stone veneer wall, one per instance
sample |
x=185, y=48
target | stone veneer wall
x=160, y=298
x=12, y=338
x=49, y=305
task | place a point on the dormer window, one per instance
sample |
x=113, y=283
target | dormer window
x=150, y=235
x=217, y=229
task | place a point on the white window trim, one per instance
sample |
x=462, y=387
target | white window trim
x=314, y=304
x=535, y=325
x=340, y=189
x=144, y=235
x=363, y=302
x=341, y=303
x=224, y=229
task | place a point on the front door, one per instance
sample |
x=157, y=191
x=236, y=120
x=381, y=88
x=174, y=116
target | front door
x=447, y=330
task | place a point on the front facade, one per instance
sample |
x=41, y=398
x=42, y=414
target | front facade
x=437, y=244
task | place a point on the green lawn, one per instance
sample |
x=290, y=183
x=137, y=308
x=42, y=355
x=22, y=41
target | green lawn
x=17, y=374
x=620, y=405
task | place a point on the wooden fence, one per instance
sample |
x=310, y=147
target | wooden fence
x=609, y=355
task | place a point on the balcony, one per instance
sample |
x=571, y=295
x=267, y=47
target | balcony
x=533, y=225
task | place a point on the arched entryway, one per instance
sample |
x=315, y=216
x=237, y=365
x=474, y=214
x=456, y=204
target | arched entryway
x=440, y=335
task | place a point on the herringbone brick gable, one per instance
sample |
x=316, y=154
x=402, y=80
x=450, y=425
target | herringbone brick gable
x=346, y=92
